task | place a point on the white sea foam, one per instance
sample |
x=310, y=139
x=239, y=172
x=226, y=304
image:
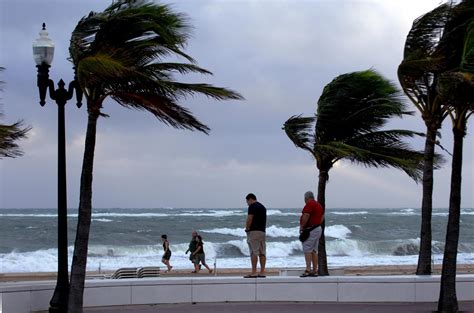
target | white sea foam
x=350, y=213
x=274, y=249
x=337, y=231
x=280, y=213
x=345, y=247
x=272, y=231
x=105, y=220
x=280, y=254
x=334, y=231
x=94, y=214
x=403, y=213
x=29, y=215
x=214, y=213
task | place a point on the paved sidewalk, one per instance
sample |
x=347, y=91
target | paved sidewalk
x=283, y=307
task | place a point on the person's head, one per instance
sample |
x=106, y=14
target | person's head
x=251, y=198
x=164, y=237
x=308, y=195
x=194, y=234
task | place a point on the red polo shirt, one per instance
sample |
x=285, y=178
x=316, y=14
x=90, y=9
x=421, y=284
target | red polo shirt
x=315, y=211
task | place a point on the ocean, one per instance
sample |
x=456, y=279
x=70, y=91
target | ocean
x=131, y=237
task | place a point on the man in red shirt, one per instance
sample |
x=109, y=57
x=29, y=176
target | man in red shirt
x=311, y=218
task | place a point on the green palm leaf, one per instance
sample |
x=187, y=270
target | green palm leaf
x=352, y=111
x=300, y=130
x=123, y=50
x=10, y=134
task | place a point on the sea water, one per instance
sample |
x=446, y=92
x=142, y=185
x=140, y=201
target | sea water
x=123, y=237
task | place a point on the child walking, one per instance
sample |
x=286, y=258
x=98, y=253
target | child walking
x=167, y=252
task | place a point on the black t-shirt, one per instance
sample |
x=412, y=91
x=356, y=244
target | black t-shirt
x=259, y=212
x=200, y=244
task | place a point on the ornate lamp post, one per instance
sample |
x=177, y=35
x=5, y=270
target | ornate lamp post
x=43, y=52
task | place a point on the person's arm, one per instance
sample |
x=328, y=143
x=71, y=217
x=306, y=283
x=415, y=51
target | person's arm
x=189, y=248
x=304, y=221
x=249, y=222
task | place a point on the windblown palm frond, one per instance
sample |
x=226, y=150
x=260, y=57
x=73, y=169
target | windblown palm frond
x=424, y=59
x=300, y=130
x=467, y=62
x=356, y=103
x=351, y=112
x=123, y=50
x=456, y=86
x=10, y=134
x=162, y=107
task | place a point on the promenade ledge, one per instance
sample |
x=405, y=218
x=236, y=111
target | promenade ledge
x=33, y=296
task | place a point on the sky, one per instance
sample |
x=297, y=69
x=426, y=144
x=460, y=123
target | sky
x=278, y=54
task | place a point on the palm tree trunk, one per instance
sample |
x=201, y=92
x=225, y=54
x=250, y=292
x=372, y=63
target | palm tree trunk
x=448, y=301
x=322, y=258
x=79, y=260
x=424, y=256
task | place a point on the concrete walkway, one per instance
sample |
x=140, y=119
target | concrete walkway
x=279, y=307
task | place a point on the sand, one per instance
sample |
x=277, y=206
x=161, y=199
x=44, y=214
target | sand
x=348, y=270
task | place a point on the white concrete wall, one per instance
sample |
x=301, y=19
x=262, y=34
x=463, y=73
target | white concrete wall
x=26, y=297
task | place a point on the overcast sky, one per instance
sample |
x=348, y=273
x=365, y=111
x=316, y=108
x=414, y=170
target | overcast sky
x=277, y=54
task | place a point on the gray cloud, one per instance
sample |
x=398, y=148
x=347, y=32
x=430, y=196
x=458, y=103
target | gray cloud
x=278, y=54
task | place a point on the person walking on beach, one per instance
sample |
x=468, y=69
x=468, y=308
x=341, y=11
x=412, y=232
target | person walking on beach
x=255, y=228
x=167, y=252
x=200, y=256
x=192, y=246
x=310, y=231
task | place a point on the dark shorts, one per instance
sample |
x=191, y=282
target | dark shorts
x=200, y=258
x=167, y=255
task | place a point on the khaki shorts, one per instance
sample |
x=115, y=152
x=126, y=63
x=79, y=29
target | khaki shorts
x=311, y=244
x=256, y=242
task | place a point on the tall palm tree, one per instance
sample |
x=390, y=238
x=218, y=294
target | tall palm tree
x=351, y=112
x=456, y=88
x=120, y=53
x=418, y=73
x=10, y=134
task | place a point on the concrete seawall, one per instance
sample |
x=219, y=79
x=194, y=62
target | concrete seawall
x=25, y=297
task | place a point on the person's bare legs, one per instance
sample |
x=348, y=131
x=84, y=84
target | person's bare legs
x=314, y=256
x=263, y=261
x=308, y=257
x=208, y=268
x=167, y=263
x=254, y=259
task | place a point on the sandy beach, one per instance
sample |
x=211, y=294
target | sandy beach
x=349, y=271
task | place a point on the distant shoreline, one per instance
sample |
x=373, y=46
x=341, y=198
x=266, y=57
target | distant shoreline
x=348, y=271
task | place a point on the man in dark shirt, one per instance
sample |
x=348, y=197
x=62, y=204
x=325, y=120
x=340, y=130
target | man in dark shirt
x=192, y=246
x=255, y=229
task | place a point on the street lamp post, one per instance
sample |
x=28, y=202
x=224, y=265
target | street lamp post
x=43, y=52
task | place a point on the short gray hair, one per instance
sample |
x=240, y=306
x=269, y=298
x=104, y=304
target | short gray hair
x=309, y=195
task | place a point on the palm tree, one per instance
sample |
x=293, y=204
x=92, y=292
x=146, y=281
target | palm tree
x=351, y=112
x=418, y=74
x=10, y=134
x=120, y=53
x=456, y=88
